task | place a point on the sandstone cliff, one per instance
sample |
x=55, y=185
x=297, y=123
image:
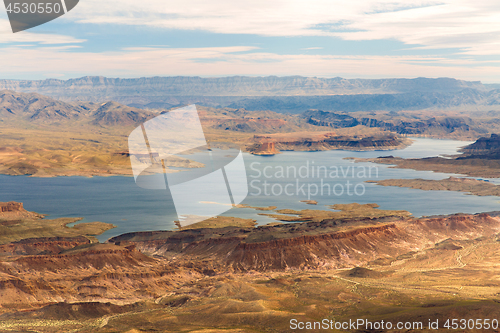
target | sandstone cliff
x=14, y=210
x=328, y=244
x=264, y=148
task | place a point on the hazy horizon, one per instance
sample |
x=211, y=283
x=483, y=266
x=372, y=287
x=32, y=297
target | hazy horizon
x=249, y=76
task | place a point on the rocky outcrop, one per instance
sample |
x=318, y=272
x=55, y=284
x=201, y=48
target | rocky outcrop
x=11, y=207
x=330, y=119
x=484, y=145
x=264, y=148
x=480, y=159
x=317, y=141
x=332, y=250
x=460, y=226
x=97, y=257
x=347, y=143
x=14, y=210
x=251, y=125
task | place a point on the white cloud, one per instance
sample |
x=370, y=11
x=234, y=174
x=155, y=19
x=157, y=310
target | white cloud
x=470, y=25
x=6, y=36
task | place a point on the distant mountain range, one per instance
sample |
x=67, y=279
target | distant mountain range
x=31, y=109
x=293, y=94
x=38, y=109
x=463, y=100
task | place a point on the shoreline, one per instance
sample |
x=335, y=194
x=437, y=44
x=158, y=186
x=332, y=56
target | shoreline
x=434, y=164
x=453, y=184
x=128, y=172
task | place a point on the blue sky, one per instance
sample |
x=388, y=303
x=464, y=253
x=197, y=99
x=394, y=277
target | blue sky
x=362, y=39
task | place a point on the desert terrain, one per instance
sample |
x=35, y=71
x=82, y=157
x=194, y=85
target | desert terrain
x=228, y=274
x=365, y=264
x=44, y=137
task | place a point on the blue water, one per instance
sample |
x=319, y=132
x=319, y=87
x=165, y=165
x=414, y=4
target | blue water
x=119, y=201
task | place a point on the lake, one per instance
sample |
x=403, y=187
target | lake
x=282, y=180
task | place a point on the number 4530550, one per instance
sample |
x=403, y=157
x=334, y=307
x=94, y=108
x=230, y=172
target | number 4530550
x=471, y=324
x=33, y=8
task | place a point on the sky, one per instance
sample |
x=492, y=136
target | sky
x=350, y=39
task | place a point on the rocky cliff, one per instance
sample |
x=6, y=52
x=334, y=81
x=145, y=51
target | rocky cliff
x=98, y=272
x=264, y=148
x=144, y=265
x=11, y=207
x=311, y=245
x=484, y=145
x=14, y=210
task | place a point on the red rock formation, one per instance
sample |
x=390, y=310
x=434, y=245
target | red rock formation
x=11, y=207
x=264, y=146
x=122, y=274
x=101, y=272
x=14, y=210
x=315, y=244
x=334, y=250
x=46, y=245
x=96, y=257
